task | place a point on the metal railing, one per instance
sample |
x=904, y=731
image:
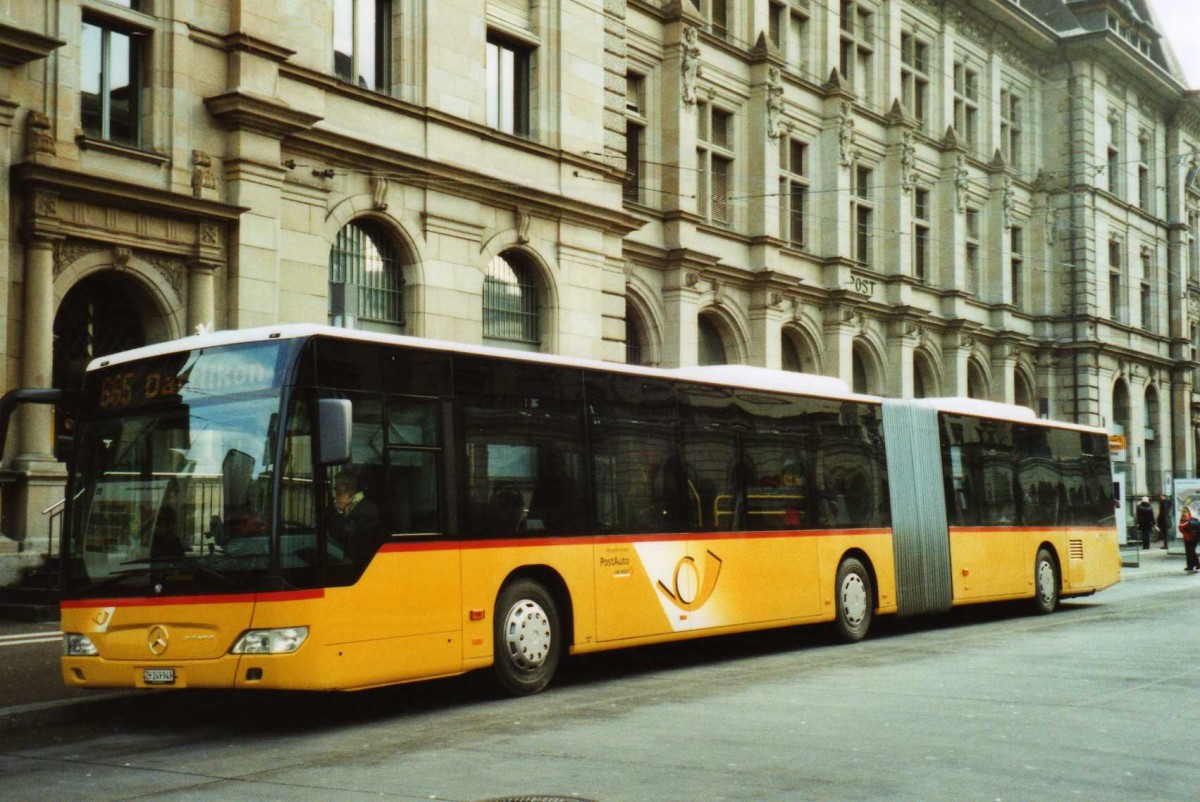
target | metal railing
x=55, y=513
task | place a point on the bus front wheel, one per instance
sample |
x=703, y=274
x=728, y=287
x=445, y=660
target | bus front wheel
x=1045, y=582
x=528, y=637
x=855, y=600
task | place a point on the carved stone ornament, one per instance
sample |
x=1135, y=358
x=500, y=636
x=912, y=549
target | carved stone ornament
x=67, y=252
x=846, y=152
x=202, y=174
x=379, y=192
x=691, y=279
x=908, y=161
x=121, y=257
x=690, y=64
x=172, y=269
x=718, y=292
x=962, y=183
x=1007, y=200
x=38, y=137
x=522, y=220
x=210, y=235
x=45, y=204
x=777, y=126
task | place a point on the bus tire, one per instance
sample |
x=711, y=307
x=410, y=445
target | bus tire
x=527, y=637
x=1045, y=582
x=854, y=600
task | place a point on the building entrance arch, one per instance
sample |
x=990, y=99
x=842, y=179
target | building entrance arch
x=104, y=313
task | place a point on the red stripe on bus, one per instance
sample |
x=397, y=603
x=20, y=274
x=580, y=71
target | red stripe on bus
x=232, y=598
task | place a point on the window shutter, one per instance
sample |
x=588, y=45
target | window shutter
x=515, y=12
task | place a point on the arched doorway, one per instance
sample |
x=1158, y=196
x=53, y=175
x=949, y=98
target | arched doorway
x=104, y=313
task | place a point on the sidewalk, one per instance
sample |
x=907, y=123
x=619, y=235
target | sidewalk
x=1139, y=563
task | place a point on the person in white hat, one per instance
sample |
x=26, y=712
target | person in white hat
x=1144, y=517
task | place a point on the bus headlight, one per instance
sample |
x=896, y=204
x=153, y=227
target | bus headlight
x=270, y=641
x=76, y=645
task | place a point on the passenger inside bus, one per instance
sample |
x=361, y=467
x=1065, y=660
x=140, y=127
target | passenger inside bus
x=354, y=518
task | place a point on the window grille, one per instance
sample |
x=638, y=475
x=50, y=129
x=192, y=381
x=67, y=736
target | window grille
x=510, y=304
x=365, y=279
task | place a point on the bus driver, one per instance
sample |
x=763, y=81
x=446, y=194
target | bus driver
x=354, y=522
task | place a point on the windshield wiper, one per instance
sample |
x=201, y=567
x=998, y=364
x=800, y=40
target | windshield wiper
x=188, y=562
x=152, y=564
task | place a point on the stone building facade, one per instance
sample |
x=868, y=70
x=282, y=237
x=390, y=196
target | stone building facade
x=923, y=197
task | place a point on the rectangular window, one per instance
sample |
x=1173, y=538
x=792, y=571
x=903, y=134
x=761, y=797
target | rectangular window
x=362, y=42
x=921, y=234
x=635, y=136
x=788, y=31
x=793, y=190
x=1116, y=306
x=966, y=104
x=1145, y=159
x=714, y=155
x=522, y=429
x=508, y=86
x=861, y=208
x=974, y=283
x=1114, y=156
x=914, y=77
x=1011, y=107
x=111, y=81
x=716, y=14
x=1193, y=245
x=856, y=60
x=1017, y=265
x=1149, y=279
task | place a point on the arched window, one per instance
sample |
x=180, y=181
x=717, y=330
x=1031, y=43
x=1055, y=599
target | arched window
x=790, y=355
x=511, y=308
x=1153, y=438
x=366, y=282
x=711, y=349
x=977, y=384
x=1023, y=391
x=1121, y=417
x=634, y=338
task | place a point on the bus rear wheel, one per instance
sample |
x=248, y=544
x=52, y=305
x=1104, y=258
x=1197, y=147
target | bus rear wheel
x=1045, y=582
x=855, y=600
x=527, y=637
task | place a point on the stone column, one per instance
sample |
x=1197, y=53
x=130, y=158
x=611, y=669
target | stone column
x=201, y=309
x=36, y=443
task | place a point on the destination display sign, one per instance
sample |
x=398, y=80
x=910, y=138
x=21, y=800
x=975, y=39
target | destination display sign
x=187, y=375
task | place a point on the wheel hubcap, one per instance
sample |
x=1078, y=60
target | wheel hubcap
x=1045, y=581
x=854, y=599
x=527, y=635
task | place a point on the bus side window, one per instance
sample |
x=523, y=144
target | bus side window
x=414, y=455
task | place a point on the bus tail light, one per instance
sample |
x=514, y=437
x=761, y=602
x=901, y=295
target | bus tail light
x=270, y=641
x=76, y=645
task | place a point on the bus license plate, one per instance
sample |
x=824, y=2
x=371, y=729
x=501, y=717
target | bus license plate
x=158, y=676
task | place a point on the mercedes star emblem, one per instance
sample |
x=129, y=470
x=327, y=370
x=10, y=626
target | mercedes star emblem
x=157, y=640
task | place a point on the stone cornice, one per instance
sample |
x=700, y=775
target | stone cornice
x=243, y=111
x=106, y=190
x=19, y=46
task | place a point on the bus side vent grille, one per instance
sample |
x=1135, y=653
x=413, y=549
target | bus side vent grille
x=1076, y=549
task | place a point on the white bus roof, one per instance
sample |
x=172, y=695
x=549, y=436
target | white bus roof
x=744, y=376
x=733, y=375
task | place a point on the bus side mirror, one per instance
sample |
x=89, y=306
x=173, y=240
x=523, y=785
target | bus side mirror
x=335, y=418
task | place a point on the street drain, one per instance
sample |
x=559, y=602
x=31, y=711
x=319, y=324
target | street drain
x=537, y=798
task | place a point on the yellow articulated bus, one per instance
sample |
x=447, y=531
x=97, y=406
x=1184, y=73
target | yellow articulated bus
x=312, y=508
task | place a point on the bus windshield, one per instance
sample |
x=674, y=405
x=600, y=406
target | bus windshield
x=174, y=472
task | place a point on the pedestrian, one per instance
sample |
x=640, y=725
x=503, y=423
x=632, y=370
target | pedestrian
x=1189, y=527
x=1144, y=517
x=1164, y=518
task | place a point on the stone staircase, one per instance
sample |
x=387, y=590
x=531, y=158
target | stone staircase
x=31, y=588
